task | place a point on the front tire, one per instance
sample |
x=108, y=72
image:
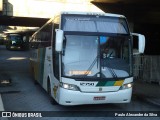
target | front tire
x=53, y=102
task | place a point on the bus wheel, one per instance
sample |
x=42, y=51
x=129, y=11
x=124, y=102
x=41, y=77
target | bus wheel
x=53, y=102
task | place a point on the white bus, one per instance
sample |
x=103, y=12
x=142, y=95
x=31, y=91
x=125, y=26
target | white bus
x=84, y=58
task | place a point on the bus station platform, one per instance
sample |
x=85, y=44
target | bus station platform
x=149, y=92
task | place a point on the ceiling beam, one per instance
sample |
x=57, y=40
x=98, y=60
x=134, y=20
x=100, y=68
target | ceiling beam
x=22, y=21
x=137, y=12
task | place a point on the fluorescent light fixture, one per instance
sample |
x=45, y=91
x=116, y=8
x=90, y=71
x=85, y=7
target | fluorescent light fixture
x=16, y=58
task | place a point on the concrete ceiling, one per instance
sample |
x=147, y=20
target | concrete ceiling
x=139, y=11
x=22, y=21
x=145, y=14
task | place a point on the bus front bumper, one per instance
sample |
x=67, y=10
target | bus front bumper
x=69, y=97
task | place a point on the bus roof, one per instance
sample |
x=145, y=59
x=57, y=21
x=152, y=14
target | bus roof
x=81, y=13
x=94, y=13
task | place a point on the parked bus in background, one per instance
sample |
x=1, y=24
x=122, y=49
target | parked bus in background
x=15, y=42
x=85, y=58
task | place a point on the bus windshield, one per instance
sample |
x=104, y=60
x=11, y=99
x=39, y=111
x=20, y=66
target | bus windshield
x=96, y=56
x=16, y=39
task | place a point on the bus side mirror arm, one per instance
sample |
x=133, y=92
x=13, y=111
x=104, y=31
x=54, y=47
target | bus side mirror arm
x=141, y=43
x=59, y=40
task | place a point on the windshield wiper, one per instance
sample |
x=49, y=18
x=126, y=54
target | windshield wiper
x=89, y=69
x=92, y=65
x=114, y=75
x=112, y=72
x=94, y=61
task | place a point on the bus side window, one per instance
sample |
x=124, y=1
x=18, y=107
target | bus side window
x=55, y=54
x=44, y=37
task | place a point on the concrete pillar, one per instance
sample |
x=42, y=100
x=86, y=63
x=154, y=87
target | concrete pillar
x=131, y=26
x=26, y=41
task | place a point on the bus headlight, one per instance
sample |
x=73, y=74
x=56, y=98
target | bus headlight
x=126, y=86
x=69, y=86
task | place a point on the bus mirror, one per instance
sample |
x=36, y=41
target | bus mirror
x=59, y=40
x=139, y=42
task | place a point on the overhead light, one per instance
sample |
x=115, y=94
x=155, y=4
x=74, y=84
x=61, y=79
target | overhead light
x=17, y=58
x=5, y=82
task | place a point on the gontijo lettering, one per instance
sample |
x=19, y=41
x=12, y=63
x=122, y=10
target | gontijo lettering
x=76, y=72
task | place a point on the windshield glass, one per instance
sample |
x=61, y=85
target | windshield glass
x=96, y=56
x=115, y=60
x=15, y=39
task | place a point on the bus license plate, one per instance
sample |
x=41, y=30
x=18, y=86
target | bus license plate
x=99, y=98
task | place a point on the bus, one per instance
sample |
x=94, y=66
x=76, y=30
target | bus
x=14, y=42
x=85, y=58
